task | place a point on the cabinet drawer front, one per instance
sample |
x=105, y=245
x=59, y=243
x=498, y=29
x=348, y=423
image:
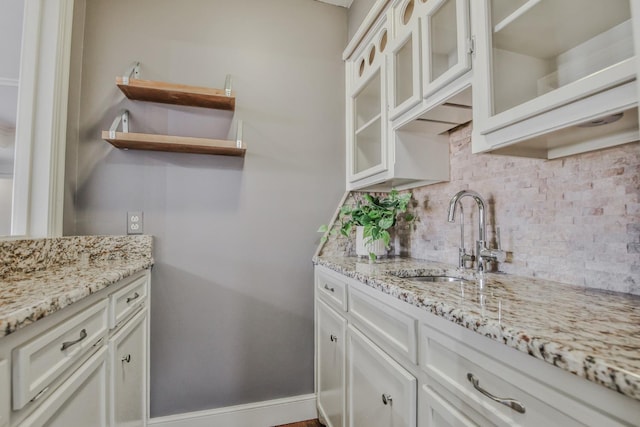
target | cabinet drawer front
x=79, y=401
x=332, y=290
x=127, y=300
x=392, y=329
x=381, y=392
x=436, y=411
x=39, y=362
x=456, y=366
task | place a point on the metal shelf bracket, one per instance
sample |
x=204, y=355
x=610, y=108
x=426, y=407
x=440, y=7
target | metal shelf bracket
x=239, y=134
x=132, y=72
x=123, y=117
x=227, y=85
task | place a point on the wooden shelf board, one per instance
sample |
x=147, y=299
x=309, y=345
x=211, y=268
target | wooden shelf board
x=177, y=94
x=179, y=144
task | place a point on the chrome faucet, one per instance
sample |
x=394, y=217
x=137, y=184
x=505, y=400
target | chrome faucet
x=482, y=254
x=463, y=256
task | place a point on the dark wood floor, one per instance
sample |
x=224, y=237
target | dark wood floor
x=308, y=423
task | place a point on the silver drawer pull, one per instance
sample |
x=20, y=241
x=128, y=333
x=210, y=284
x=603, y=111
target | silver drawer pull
x=135, y=296
x=386, y=399
x=328, y=288
x=333, y=338
x=511, y=403
x=67, y=344
x=126, y=358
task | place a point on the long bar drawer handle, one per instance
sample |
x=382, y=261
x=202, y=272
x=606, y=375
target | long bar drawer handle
x=511, y=403
x=67, y=344
x=135, y=296
x=328, y=288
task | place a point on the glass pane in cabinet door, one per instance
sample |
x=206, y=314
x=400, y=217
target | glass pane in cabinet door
x=368, y=125
x=444, y=39
x=404, y=72
x=368, y=147
x=367, y=102
x=542, y=45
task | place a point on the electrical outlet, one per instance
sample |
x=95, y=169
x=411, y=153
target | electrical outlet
x=134, y=222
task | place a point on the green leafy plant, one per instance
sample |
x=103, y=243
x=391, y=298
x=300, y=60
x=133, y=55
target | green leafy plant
x=376, y=214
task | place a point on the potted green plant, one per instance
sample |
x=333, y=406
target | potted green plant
x=373, y=217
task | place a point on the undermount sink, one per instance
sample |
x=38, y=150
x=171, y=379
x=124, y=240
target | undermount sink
x=437, y=279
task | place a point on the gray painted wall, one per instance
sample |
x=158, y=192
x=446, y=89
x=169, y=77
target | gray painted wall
x=357, y=12
x=232, y=291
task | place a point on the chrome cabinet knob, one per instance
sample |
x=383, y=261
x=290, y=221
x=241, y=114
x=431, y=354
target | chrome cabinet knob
x=386, y=399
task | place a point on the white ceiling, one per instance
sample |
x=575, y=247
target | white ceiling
x=343, y=3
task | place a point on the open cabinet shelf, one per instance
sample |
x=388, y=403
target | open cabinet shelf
x=177, y=94
x=179, y=144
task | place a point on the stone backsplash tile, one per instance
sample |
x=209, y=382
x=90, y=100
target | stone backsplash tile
x=573, y=220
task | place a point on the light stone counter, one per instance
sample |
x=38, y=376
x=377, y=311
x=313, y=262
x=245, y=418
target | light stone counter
x=591, y=333
x=41, y=276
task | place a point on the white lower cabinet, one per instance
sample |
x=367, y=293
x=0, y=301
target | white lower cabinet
x=5, y=390
x=330, y=344
x=74, y=369
x=128, y=379
x=419, y=369
x=381, y=392
x=79, y=401
x=438, y=410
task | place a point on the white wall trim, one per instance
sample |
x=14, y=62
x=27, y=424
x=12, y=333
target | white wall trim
x=42, y=115
x=4, y=81
x=260, y=414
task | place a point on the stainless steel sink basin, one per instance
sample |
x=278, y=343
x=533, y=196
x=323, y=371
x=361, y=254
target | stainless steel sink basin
x=437, y=279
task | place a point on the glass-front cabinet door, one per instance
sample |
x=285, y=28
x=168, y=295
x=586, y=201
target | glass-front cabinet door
x=446, y=43
x=367, y=154
x=542, y=54
x=404, y=58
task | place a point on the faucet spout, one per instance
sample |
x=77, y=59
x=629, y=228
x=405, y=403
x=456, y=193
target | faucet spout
x=482, y=227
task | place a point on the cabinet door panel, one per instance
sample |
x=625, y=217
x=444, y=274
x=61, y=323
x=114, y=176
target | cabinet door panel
x=445, y=39
x=128, y=373
x=405, y=85
x=5, y=392
x=79, y=401
x=332, y=331
x=381, y=392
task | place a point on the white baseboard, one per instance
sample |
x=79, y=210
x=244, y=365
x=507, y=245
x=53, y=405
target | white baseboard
x=260, y=414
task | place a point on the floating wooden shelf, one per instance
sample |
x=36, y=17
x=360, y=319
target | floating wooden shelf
x=178, y=94
x=180, y=144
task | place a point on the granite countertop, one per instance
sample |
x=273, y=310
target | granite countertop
x=591, y=333
x=42, y=276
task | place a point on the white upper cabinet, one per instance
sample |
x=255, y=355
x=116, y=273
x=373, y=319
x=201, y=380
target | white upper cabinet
x=404, y=57
x=367, y=104
x=446, y=43
x=401, y=76
x=553, y=77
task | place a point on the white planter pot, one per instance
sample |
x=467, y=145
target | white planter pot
x=376, y=247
